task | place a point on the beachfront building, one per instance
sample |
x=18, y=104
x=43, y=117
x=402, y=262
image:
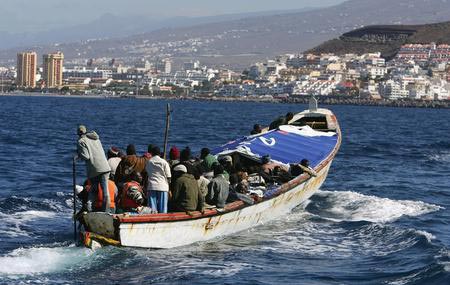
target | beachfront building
x=26, y=69
x=391, y=89
x=53, y=69
x=83, y=72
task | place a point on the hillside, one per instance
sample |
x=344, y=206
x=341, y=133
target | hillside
x=386, y=39
x=239, y=43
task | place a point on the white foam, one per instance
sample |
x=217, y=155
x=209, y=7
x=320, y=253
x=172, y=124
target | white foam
x=11, y=223
x=445, y=254
x=226, y=269
x=440, y=157
x=427, y=235
x=352, y=206
x=38, y=260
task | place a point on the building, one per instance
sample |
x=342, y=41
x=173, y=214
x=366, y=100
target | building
x=167, y=66
x=84, y=72
x=26, y=69
x=53, y=69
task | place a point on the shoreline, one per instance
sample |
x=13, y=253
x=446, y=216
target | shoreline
x=292, y=100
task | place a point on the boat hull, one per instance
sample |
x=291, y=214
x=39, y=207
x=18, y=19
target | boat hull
x=174, y=234
x=179, y=229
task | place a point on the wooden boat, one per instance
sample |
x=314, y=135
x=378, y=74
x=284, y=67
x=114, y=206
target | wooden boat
x=313, y=134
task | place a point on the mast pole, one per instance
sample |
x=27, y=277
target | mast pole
x=74, y=180
x=166, y=135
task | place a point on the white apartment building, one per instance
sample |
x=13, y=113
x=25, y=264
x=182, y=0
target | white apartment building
x=391, y=89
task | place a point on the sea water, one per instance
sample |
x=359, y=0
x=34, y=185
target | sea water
x=382, y=216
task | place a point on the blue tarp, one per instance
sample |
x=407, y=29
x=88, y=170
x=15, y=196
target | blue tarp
x=283, y=146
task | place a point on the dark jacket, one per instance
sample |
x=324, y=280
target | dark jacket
x=187, y=195
x=278, y=122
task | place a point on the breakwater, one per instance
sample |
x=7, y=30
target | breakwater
x=323, y=100
x=335, y=101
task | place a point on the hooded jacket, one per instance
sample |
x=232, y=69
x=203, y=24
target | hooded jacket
x=187, y=195
x=90, y=149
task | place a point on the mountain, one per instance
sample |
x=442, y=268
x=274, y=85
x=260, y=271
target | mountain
x=386, y=39
x=240, y=42
x=112, y=26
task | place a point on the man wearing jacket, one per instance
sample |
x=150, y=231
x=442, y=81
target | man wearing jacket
x=89, y=149
x=186, y=193
x=218, y=188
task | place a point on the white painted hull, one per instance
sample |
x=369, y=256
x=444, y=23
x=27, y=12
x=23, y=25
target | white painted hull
x=174, y=234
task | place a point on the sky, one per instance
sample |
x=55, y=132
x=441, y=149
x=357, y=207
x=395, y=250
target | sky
x=18, y=16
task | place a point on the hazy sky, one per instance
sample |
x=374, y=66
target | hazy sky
x=34, y=15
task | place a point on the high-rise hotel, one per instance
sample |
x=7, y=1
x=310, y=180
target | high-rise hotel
x=53, y=69
x=26, y=69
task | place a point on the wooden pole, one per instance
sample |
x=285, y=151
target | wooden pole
x=74, y=180
x=166, y=135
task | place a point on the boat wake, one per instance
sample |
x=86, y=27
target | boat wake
x=351, y=206
x=13, y=224
x=41, y=260
x=21, y=216
x=342, y=223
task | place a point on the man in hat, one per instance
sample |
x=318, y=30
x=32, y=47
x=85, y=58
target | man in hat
x=174, y=156
x=114, y=158
x=208, y=160
x=186, y=193
x=89, y=149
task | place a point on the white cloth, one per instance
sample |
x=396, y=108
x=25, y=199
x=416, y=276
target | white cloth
x=305, y=131
x=158, y=171
x=113, y=163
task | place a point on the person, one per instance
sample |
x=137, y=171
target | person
x=282, y=120
x=227, y=163
x=174, y=156
x=201, y=180
x=303, y=166
x=186, y=157
x=132, y=195
x=176, y=173
x=269, y=169
x=159, y=174
x=114, y=158
x=256, y=129
x=186, y=193
x=208, y=160
x=218, y=188
x=90, y=149
x=83, y=193
x=239, y=190
x=129, y=164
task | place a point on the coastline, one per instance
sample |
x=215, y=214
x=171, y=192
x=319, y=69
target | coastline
x=292, y=100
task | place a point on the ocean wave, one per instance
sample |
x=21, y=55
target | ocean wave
x=39, y=260
x=351, y=206
x=322, y=239
x=12, y=224
x=225, y=269
x=443, y=156
x=444, y=259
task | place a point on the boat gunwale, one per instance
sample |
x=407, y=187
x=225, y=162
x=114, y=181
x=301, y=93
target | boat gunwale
x=233, y=206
